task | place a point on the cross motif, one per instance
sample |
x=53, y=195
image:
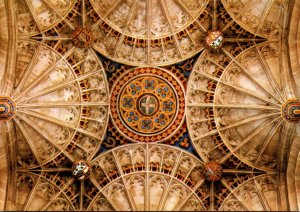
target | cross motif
x=148, y=104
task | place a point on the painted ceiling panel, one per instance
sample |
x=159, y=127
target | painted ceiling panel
x=152, y=105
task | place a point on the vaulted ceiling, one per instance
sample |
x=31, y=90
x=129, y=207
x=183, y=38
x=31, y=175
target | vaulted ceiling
x=149, y=105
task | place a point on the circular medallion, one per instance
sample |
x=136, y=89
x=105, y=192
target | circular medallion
x=7, y=108
x=212, y=171
x=214, y=39
x=82, y=37
x=147, y=104
x=81, y=170
x=291, y=110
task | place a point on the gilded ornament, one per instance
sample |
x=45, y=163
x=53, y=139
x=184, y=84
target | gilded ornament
x=144, y=104
x=82, y=37
x=214, y=39
x=291, y=110
x=81, y=170
x=212, y=171
x=7, y=108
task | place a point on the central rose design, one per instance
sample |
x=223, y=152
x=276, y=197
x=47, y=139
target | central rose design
x=145, y=105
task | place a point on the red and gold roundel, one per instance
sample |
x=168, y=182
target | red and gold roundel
x=7, y=108
x=212, y=171
x=214, y=39
x=147, y=104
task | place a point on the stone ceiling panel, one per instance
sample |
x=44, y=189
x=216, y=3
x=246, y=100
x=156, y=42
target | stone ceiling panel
x=261, y=18
x=155, y=32
x=58, y=106
x=96, y=123
x=238, y=104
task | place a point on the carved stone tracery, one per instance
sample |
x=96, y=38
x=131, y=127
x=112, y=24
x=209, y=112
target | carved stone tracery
x=232, y=106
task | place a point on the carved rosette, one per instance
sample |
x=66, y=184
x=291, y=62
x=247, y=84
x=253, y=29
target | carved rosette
x=7, y=108
x=82, y=37
x=147, y=104
x=212, y=171
x=291, y=110
x=81, y=170
x=214, y=39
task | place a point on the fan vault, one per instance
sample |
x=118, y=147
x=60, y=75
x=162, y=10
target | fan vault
x=149, y=105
